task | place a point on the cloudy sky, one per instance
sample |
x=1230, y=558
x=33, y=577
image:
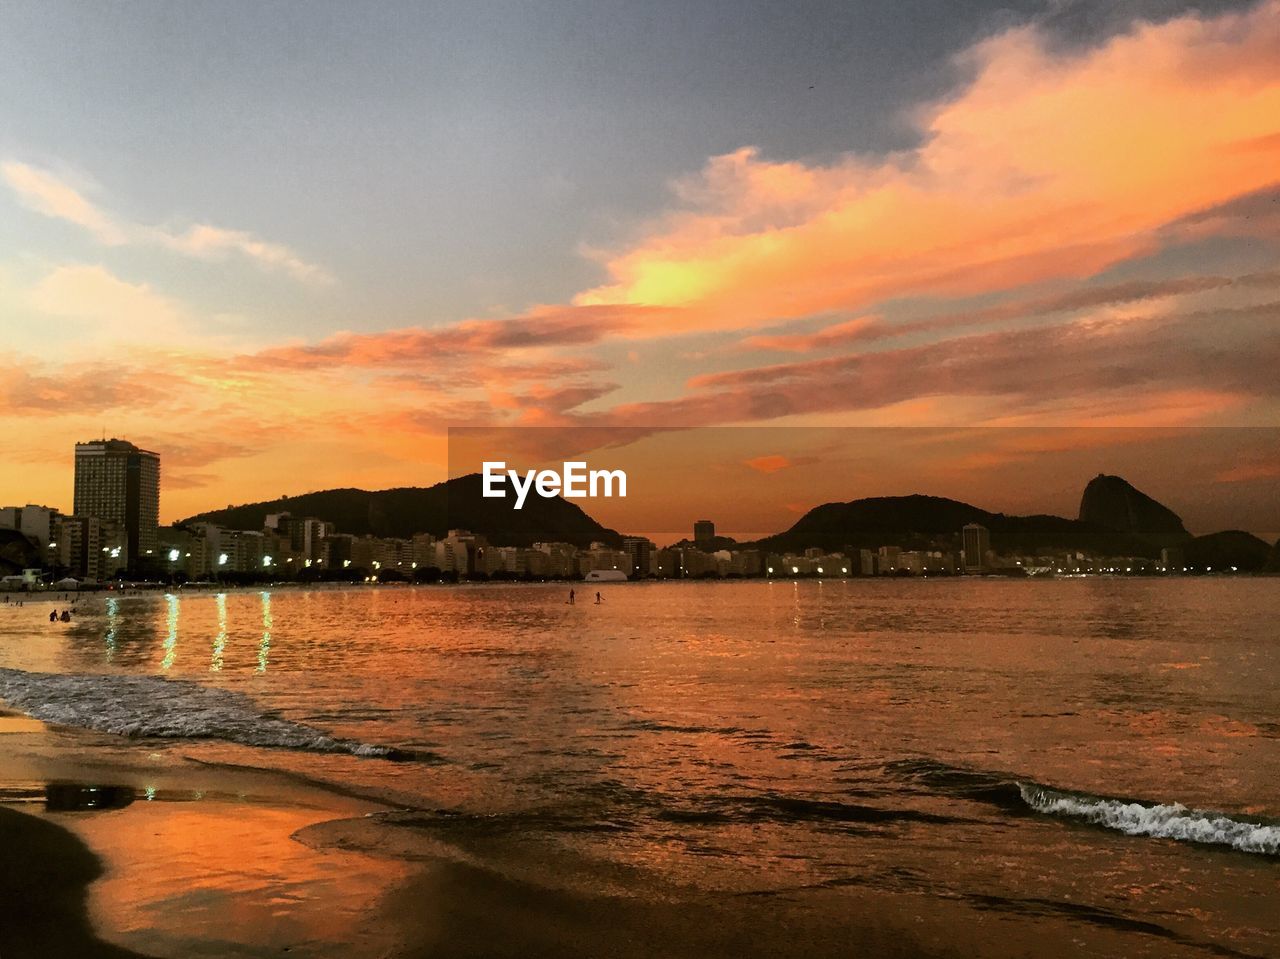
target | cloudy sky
x=287, y=245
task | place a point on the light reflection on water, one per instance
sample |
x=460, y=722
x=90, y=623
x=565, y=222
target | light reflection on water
x=113, y=622
x=264, y=646
x=171, y=638
x=219, y=640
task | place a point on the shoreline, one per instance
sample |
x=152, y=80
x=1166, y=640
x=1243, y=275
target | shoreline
x=14, y=597
x=127, y=851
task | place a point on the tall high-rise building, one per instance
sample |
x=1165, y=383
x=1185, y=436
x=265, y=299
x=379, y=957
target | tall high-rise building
x=977, y=542
x=704, y=531
x=117, y=482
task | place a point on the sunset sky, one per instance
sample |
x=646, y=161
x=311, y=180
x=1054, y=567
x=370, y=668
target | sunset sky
x=288, y=245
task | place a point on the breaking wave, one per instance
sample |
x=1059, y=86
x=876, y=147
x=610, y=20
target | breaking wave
x=154, y=707
x=1016, y=795
x=1162, y=821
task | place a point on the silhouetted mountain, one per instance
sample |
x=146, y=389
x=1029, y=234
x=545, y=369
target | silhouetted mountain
x=1112, y=503
x=1273, y=563
x=17, y=552
x=455, y=504
x=1232, y=547
x=711, y=545
x=919, y=521
x=877, y=521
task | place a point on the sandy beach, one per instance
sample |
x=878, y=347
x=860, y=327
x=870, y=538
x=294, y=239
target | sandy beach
x=119, y=852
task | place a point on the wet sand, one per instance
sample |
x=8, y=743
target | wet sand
x=441, y=909
x=45, y=874
x=457, y=911
x=118, y=848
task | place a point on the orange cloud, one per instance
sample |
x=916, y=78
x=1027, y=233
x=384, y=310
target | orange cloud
x=1096, y=369
x=540, y=327
x=768, y=464
x=859, y=329
x=27, y=390
x=1046, y=165
x=1248, y=472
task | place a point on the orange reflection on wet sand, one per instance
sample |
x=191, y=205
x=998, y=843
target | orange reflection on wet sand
x=229, y=876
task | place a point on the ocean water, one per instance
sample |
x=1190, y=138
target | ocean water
x=1027, y=767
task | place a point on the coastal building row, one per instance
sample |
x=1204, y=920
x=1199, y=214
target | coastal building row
x=82, y=547
x=303, y=546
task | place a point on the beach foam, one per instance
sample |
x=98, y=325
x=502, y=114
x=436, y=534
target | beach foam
x=151, y=706
x=1163, y=821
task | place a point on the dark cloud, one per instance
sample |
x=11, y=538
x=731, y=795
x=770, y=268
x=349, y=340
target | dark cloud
x=871, y=329
x=1219, y=352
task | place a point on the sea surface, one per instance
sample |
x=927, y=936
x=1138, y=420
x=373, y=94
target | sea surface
x=970, y=766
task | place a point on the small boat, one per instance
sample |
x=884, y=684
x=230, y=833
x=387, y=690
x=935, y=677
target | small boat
x=605, y=576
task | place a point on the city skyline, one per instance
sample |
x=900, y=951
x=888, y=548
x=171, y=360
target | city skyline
x=114, y=525
x=875, y=230
x=1215, y=473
